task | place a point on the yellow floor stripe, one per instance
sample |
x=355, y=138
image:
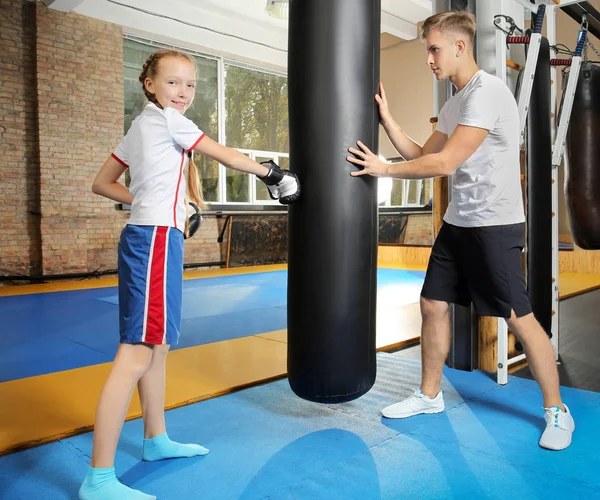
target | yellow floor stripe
x=571, y=284
x=41, y=409
x=277, y=335
x=414, y=267
x=59, y=286
x=105, y=282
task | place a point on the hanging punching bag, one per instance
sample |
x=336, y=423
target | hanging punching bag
x=582, y=149
x=539, y=192
x=333, y=75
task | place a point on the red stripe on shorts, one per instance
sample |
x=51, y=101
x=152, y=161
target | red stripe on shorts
x=156, y=310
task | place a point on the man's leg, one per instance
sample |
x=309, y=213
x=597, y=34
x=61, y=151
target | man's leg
x=435, y=344
x=444, y=283
x=498, y=287
x=540, y=356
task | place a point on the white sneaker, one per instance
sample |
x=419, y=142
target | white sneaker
x=417, y=404
x=559, y=428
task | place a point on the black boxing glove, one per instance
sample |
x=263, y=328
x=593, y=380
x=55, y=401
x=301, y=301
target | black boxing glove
x=283, y=185
x=194, y=221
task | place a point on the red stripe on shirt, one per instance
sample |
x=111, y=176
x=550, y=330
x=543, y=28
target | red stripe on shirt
x=155, y=320
x=177, y=190
x=119, y=160
x=197, y=142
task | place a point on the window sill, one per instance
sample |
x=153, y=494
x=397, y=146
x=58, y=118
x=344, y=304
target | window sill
x=233, y=209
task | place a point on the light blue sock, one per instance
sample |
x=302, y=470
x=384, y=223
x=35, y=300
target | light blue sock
x=102, y=484
x=161, y=447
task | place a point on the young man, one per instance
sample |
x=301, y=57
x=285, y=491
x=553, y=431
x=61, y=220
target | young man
x=477, y=253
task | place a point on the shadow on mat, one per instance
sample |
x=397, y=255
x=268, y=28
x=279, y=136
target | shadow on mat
x=321, y=465
x=157, y=470
x=448, y=462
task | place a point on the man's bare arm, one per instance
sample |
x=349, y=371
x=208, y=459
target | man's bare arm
x=462, y=144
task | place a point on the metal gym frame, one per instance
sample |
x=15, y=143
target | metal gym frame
x=558, y=135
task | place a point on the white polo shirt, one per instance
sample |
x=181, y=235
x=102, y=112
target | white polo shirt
x=486, y=188
x=154, y=150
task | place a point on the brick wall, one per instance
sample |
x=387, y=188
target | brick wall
x=80, y=119
x=61, y=103
x=19, y=166
x=419, y=230
x=204, y=246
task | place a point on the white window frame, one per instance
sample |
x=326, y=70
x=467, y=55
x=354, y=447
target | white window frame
x=252, y=154
x=405, y=183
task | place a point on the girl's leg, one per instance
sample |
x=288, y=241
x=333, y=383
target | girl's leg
x=131, y=362
x=152, y=393
x=157, y=445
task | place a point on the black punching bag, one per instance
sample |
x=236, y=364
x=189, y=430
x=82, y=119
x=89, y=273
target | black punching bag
x=333, y=74
x=539, y=192
x=582, y=148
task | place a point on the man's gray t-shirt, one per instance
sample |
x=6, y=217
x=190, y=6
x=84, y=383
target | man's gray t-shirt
x=486, y=189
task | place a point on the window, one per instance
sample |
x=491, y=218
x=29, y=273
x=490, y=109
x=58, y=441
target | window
x=412, y=193
x=404, y=192
x=256, y=123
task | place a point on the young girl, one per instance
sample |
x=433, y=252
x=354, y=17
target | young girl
x=156, y=151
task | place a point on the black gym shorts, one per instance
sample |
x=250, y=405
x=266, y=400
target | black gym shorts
x=481, y=265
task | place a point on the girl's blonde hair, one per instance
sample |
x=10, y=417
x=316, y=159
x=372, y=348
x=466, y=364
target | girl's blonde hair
x=451, y=21
x=150, y=70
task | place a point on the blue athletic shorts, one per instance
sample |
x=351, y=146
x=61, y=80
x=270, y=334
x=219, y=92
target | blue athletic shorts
x=150, y=284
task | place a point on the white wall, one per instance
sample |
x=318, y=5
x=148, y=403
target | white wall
x=234, y=29
x=262, y=42
x=408, y=83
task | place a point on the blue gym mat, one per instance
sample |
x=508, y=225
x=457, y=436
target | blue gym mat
x=268, y=444
x=50, y=332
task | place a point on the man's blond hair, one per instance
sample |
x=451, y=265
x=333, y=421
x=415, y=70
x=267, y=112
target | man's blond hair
x=451, y=21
